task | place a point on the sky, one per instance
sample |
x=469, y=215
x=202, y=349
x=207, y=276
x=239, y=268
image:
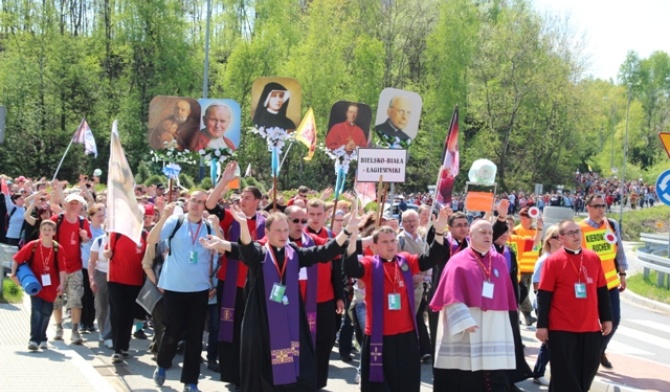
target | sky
x=613, y=27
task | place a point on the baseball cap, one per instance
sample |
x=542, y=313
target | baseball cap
x=74, y=197
x=524, y=212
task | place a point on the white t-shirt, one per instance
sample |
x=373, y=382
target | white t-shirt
x=99, y=246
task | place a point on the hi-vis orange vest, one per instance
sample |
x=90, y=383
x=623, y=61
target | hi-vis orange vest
x=594, y=239
x=526, y=256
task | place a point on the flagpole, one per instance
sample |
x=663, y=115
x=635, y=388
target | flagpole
x=285, y=155
x=62, y=159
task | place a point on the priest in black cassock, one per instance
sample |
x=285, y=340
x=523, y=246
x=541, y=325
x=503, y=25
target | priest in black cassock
x=280, y=358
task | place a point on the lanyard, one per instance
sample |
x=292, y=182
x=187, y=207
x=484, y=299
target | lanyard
x=581, y=261
x=274, y=261
x=194, y=237
x=487, y=272
x=395, y=282
x=45, y=260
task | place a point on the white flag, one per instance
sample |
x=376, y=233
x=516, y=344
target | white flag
x=123, y=213
x=248, y=172
x=84, y=136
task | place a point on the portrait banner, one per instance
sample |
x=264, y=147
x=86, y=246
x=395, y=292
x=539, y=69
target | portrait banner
x=173, y=120
x=219, y=124
x=275, y=103
x=398, y=115
x=349, y=126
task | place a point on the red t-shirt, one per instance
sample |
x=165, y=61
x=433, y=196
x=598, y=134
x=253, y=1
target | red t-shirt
x=559, y=275
x=324, y=287
x=226, y=221
x=395, y=321
x=68, y=237
x=301, y=281
x=125, y=266
x=43, y=262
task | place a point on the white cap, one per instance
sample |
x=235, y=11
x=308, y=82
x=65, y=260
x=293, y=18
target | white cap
x=74, y=197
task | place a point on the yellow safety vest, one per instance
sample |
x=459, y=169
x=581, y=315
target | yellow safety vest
x=594, y=239
x=525, y=256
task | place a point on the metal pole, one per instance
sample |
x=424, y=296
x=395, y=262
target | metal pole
x=205, y=75
x=625, y=159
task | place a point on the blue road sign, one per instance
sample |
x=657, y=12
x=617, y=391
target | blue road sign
x=663, y=187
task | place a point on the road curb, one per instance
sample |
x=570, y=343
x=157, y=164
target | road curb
x=645, y=302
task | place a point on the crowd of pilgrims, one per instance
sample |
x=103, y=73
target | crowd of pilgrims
x=277, y=285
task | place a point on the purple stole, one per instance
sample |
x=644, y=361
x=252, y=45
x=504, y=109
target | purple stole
x=227, y=319
x=453, y=245
x=283, y=319
x=378, y=301
x=508, y=258
x=310, y=297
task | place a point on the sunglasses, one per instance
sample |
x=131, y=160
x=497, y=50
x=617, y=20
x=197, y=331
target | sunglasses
x=296, y=220
x=598, y=205
x=554, y=237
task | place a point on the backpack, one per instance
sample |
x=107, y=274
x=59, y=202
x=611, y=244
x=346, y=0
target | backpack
x=32, y=254
x=180, y=221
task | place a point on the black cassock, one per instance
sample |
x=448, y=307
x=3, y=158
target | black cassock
x=255, y=366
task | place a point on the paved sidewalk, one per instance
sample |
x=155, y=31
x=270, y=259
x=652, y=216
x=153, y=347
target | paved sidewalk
x=88, y=367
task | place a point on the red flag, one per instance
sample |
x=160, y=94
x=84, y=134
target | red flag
x=450, y=162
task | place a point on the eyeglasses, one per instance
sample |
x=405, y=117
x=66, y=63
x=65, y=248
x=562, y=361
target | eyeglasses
x=572, y=233
x=296, y=221
x=402, y=112
x=598, y=205
x=196, y=201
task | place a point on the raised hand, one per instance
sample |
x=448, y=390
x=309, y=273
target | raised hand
x=502, y=208
x=238, y=215
x=169, y=209
x=443, y=218
x=229, y=172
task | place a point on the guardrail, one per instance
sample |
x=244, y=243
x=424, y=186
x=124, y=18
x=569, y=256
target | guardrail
x=654, y=256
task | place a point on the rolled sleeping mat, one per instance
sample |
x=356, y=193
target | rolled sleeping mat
x=28, y=279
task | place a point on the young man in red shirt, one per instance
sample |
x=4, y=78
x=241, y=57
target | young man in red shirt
x=47, y=261
x=390, y=359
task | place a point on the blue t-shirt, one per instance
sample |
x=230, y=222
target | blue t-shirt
x=16, y=220
x=180, y=272
x=86, y=246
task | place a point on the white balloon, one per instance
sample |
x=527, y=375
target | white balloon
x=483, y=172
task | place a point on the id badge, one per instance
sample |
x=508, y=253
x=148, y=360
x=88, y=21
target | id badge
x=277, y=294
x=580, y=290
x=487, y=290
x=193, y=257
x=394, y=301
x=46, y=280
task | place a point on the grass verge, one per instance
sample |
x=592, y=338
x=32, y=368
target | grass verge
x=11, y=293
x=647, y=220
x=647, y=287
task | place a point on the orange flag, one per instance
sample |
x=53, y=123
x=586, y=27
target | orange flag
x=306, y=133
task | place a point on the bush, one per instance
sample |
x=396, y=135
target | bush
x=155, y=179
x=186, y=181
x=206, y=183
